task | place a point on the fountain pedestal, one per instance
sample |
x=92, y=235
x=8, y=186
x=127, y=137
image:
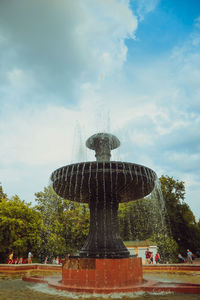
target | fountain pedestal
x=104, y=240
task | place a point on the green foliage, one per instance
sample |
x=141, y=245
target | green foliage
x=2, y=194
x=76, y=226
x=173, y=190
x=140, y=219
x=167, y=247
x=19, y=228
x=65, y=224
x=57, y=226
x=184, y=228
x=173, y=222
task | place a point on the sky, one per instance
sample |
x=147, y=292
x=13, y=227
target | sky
x=69, y=69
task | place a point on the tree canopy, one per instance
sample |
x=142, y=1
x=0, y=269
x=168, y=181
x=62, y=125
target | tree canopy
x=184, y=228
x=162, y=217
x=64, y=226
x=19, y=228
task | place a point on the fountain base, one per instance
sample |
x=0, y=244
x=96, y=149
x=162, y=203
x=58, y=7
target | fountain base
x=106, y=276
x=102, y=273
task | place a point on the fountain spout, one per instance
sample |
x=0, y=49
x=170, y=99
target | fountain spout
x=102, y=143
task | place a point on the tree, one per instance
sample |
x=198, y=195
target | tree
x=139, y=220
x=184, y=228
x=2, y=194
x=167, y=247
x=65, y=224
x=19, y=228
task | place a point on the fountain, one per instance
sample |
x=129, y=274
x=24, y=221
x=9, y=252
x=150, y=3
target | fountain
x=104, y=264
x=103, y=184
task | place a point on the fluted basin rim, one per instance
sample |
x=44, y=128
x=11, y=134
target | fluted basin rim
x=128, y=181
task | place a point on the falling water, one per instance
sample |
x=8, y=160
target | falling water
x=158, y=196
x=111, y=188
x=104, y=207
x=76, y=182
x=97, y=202
x=81, y=185
x=79, y=152
x=70, y=181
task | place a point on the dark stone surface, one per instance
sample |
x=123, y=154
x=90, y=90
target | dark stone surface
x=102, y=143
x=82, y=182
x=104, y=240
x=103, y=185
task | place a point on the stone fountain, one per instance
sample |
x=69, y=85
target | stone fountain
x=103, y=184
x=104, y=265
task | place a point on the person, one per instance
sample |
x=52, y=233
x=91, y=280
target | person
x=181, y=258
x=16, y=260
x=54, y=261
x=46, y=260
x=189, y=256
x=57, y=260
x=151, y=258
x=67, y=260
x=10, y=257
x=147, y=256
x=29, y=257
x=157, y=258
x=20, y=260
x=25, y=260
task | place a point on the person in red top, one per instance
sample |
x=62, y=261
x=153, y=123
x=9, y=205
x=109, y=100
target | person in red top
x=148, y=256
x=157, y=258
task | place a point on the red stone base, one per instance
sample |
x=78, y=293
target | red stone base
x=102, y=273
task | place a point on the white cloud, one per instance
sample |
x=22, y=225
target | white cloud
x=145, y=7
x=67, y=77
x=63, y=43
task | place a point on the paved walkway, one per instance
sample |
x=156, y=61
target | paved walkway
x=196, y=261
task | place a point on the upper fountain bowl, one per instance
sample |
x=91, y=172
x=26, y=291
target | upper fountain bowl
x=117, y=181
x=103, y=180
x=102, y=143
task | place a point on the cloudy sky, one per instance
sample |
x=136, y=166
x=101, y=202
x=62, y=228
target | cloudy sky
x=71, y=68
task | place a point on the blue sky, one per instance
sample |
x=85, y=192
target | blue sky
x=69, y=69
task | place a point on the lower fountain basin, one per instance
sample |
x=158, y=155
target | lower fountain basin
x=108, y=276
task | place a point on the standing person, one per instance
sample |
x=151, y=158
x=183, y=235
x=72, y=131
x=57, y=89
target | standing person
x=54, y=261
x=151, y=258
x=20, y=260
x=30, y=257
x=147, y=256
x=57, y=260
x=157, y=258
x=67, y=260
x=16, y=260
x=189, y=256
x=46, y=260
x=10, y=257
